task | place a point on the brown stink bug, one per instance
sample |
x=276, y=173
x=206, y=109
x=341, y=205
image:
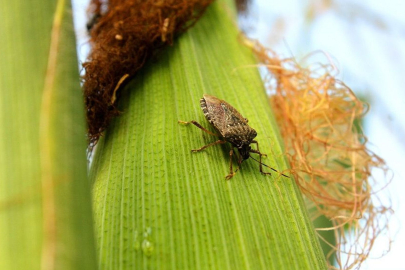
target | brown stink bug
x=232, y=128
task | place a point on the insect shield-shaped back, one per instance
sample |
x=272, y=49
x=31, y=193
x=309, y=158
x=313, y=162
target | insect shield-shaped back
x=232, y=127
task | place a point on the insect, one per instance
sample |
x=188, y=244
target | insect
x=232, y=128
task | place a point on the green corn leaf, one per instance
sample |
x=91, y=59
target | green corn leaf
x=45, y=203
x=159, y=206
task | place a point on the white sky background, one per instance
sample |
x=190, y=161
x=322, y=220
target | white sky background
x=366, y=39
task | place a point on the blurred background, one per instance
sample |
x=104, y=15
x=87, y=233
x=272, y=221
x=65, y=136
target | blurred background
x=365, y=40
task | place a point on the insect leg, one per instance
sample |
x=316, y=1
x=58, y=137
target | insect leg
x=260, y=157
x=195, y=123
x=258, y=150
x=208, y=145
x=231, y=172
x=260, y=161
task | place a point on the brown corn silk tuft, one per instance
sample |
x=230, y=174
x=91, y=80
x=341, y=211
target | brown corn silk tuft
x=124, y=34
x=317, y=116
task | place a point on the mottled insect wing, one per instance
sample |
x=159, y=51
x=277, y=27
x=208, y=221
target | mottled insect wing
x=224, y=117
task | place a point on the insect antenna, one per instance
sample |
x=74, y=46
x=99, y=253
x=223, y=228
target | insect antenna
x=269, y=167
